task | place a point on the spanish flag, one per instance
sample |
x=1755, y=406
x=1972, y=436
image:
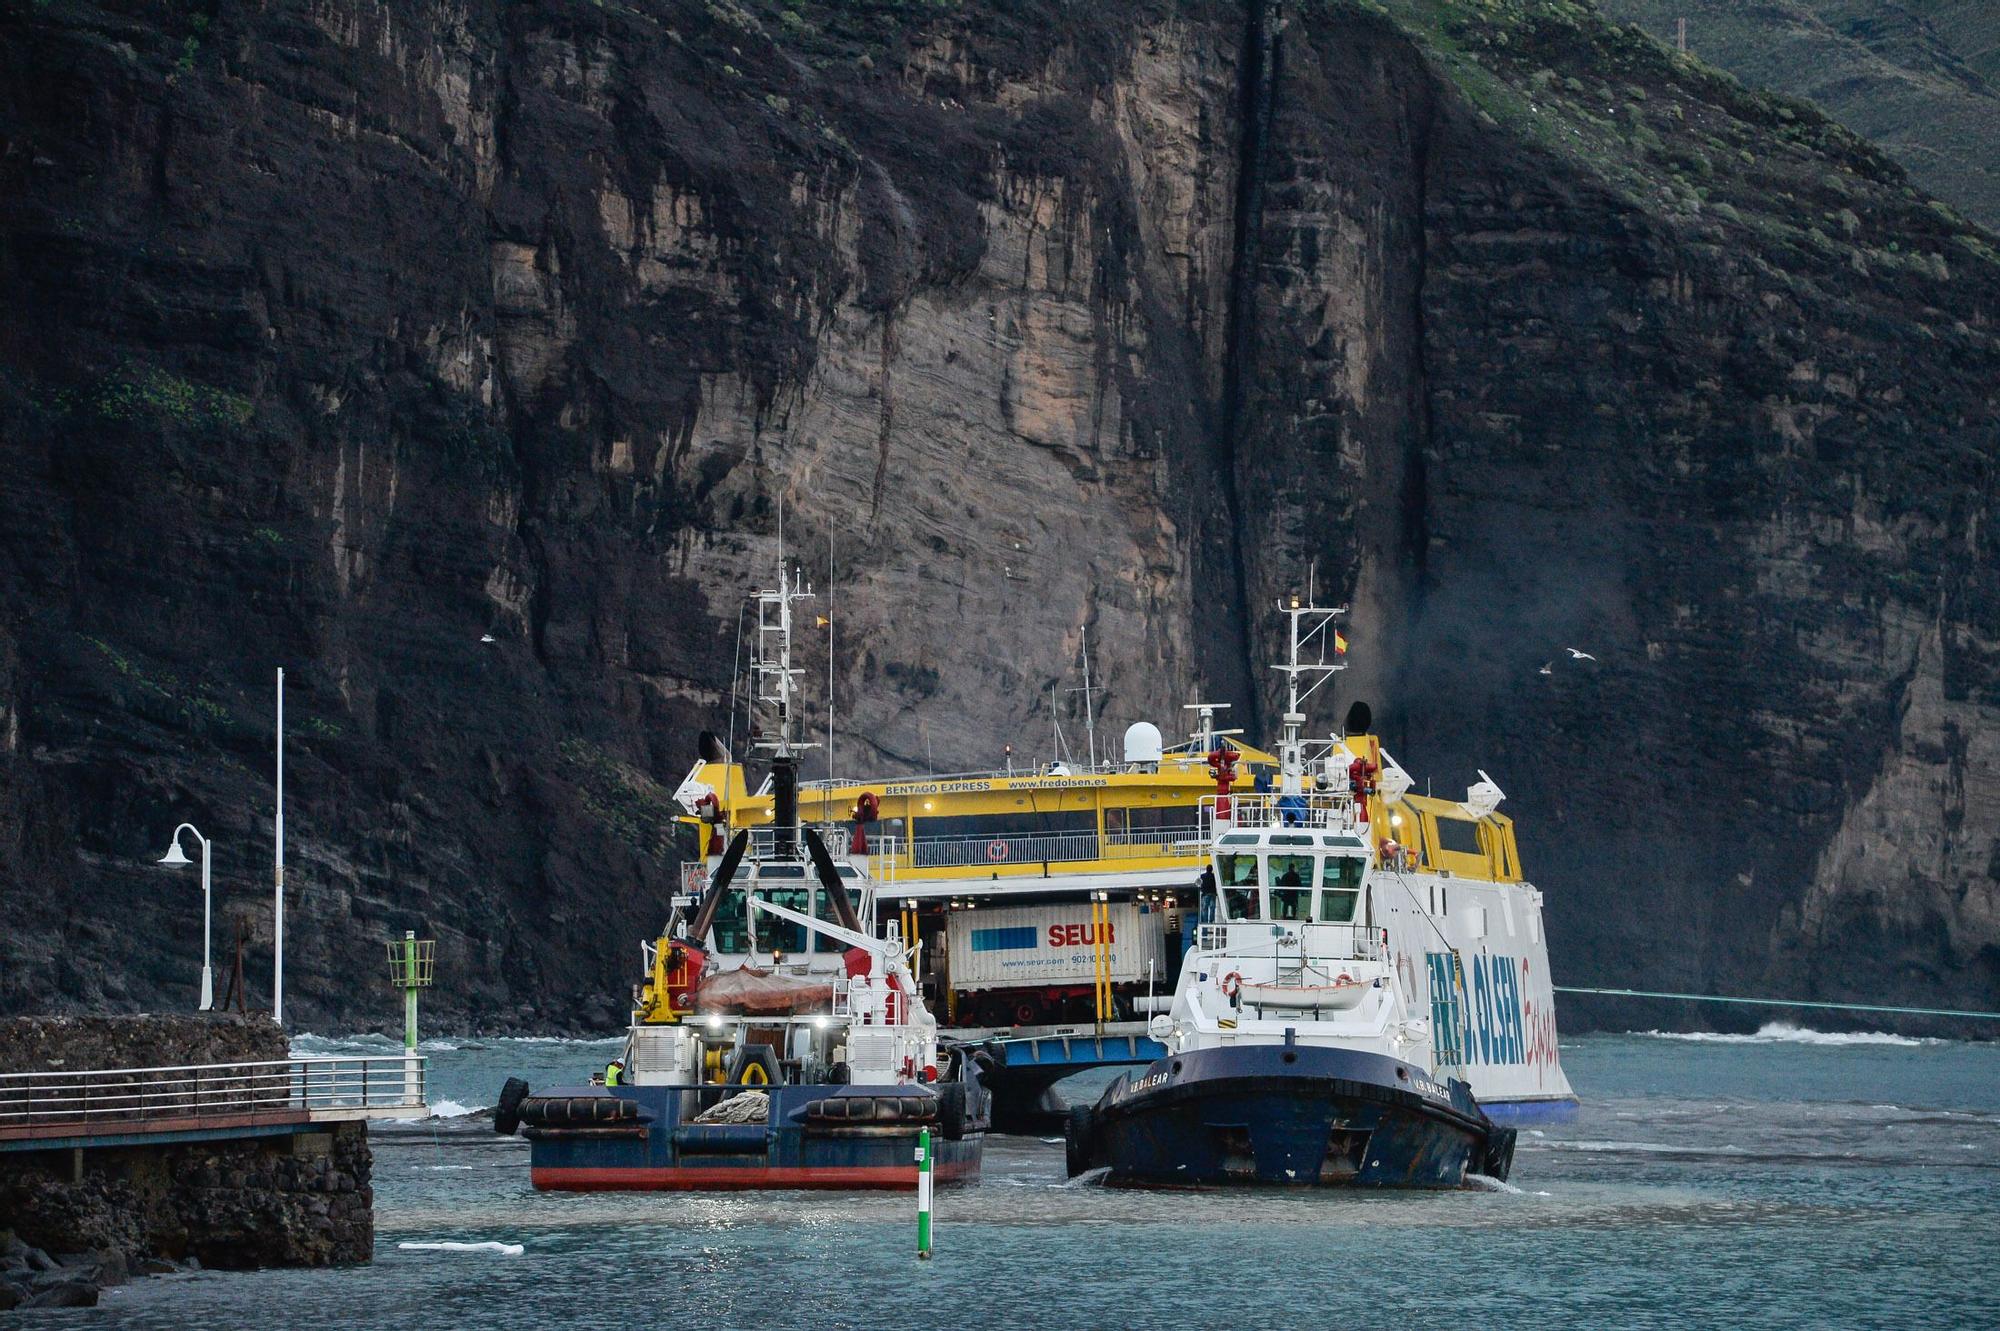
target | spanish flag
x=1339, y=644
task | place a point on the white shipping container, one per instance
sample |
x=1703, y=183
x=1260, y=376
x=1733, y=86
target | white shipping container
x=1012, y=946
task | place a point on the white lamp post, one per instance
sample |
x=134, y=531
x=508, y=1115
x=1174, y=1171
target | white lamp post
x=176, y=856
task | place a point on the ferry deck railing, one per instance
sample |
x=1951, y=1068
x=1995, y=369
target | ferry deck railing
x=125, y=1099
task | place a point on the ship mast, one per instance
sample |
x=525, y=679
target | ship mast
x=778, y=689
x=1311, y=631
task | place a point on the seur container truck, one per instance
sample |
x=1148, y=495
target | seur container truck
x=1020, y=965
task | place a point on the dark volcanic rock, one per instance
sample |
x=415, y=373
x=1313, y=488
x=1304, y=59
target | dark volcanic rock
x=341, y=335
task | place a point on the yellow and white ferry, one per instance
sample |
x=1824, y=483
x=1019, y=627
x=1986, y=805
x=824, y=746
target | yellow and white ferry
x=1068, y=892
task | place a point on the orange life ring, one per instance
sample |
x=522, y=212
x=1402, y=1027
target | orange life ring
x=996, y=851
x=1232, y=984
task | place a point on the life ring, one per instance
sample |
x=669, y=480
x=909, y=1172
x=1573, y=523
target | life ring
x=1232, y=984
x=996, y=851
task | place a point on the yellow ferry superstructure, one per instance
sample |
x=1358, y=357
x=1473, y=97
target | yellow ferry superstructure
x=1138, y=823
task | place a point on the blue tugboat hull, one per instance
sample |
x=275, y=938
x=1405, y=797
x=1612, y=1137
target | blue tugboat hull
x=643, y=1138
x=1288, y=1116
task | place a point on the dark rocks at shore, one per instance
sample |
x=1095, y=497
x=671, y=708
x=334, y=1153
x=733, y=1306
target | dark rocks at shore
x=142, y=1040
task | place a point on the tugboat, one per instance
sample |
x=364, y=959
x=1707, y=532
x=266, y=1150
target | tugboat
x=770, y=1046
x=1295, y=1054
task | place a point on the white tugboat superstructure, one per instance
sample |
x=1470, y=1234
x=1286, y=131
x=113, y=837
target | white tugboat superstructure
x=1295, y=1052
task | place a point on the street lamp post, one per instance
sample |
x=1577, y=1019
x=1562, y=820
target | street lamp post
x=176, y=856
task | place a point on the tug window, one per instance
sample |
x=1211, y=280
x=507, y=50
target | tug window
x=1239, y=871
x=1239, y=887
x=1340, y=888
x=732, y=930
x=1291, y=871
x=782, y=935
x=1291, y=903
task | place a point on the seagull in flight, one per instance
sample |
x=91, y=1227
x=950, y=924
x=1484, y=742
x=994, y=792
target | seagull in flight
x=1576, y=655
x=1547, y=668
x=486, y=637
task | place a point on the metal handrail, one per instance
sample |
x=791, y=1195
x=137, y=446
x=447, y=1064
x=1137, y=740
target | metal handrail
x=185, y=1090
x=1025, y=848
x=1365, y=942
x=1319, y=810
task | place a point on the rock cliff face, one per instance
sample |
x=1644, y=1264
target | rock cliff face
x=345, y=335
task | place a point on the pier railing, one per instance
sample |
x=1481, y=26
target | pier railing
x=127, y=1099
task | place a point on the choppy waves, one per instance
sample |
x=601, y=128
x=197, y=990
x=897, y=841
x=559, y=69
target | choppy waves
x=1784, y=1032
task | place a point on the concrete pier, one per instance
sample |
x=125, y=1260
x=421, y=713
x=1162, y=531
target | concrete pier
x=128, y=1144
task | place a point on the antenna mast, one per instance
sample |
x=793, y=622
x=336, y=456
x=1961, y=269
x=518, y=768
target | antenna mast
x=1089, y=715
x=778, y=688
x=1310, y=630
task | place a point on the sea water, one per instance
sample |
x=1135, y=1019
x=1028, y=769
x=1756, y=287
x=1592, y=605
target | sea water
x=1785, y=1179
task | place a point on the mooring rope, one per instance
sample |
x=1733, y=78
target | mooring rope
x=1785, y=1002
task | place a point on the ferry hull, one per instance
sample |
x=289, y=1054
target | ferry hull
x=657, y=1147
x=1289, y=1116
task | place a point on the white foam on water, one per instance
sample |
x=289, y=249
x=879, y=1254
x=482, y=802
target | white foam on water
x=1487, y=1183
x=1784, y=1032
x=1089, y=1178
x=489, y=1245
x=455, y=1109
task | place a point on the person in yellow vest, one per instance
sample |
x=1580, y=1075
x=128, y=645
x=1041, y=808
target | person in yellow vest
x=612, y=1071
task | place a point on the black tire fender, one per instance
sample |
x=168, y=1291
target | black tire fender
x=1077, y=1139
x=507, y=1112
x=951, y=1110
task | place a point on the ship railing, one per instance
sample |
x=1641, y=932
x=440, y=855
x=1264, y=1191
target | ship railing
x=1288, y=940
x=1323, y=811
x=1021, y=848
x=112, y=1096
x=1183, y=840
x=1173, y=758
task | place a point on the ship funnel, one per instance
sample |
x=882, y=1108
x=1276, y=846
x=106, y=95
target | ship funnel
x=1359, y=718
x=712, y=749
x=1143, y=746
x=784, y=807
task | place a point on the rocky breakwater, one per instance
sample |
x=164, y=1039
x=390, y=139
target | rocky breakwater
x=74, y=1218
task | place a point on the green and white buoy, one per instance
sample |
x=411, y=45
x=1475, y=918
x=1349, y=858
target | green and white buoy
x=923, y=1192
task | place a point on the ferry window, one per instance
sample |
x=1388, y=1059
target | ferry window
x=1240, y=839
x=1459, y=836
x=1291, y=871
x=1149, y=825
x=1239, y=871
x=1024, y=823
x=1291, y=903
x=1291, y=841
